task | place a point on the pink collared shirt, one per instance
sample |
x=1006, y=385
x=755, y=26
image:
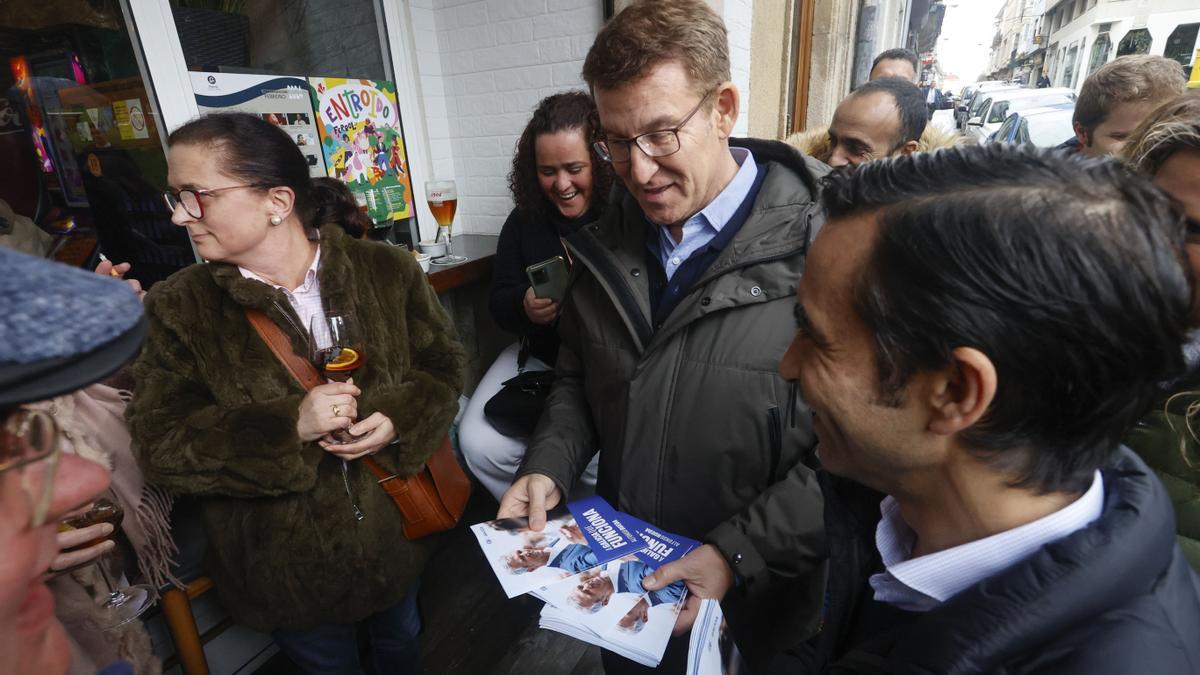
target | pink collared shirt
x=305, y=298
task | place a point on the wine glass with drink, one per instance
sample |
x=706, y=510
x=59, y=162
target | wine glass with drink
x=336, y=349
x=442, y=196
x=122, y=604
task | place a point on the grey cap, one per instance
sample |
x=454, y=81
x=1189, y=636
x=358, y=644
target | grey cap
x=61, y=328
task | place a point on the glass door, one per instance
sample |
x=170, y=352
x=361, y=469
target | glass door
x=82, y=162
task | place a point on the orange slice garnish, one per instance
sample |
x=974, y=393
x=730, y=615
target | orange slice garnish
x=347, y=359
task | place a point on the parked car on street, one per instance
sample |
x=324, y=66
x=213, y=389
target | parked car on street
x=1041, y=127
x=997, y=105
x=969, y=106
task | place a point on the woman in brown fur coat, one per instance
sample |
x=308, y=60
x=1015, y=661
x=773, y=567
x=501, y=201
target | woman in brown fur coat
x=216, y=415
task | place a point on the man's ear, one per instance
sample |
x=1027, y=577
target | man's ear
x=727, y=106
x=1081, y=135
x=908, y=148
x=963, y=392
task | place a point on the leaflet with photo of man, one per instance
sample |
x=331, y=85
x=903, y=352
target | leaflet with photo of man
x=648, y=622
x=604, y=599
x=577, y=538
x=643, y=638
x=611, y=608
x=597, y=598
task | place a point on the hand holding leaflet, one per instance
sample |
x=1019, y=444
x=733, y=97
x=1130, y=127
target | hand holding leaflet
x=575, y=539
x=608, y=578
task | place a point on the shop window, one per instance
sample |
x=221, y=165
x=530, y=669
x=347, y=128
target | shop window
x=330, y=38
x=1069, y=67
x=1135, y=42
x=1100, y=51
x=1181, y=44
x=82, y=164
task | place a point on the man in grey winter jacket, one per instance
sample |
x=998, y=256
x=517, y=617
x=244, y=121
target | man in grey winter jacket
x=679, y=310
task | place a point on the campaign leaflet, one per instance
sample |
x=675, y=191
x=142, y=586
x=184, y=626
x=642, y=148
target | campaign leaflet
x=645, y=646
x=597, y=598
x=577, y=538
x=609, y=607
x=711, y=650
x=612, y=597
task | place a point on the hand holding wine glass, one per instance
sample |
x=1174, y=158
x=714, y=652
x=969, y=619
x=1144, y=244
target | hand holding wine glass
x=122, y=604
x=337, y=350
x=317, y=419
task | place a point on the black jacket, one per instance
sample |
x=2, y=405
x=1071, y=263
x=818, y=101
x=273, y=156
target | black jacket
x=524, y=242
x=1115, y=597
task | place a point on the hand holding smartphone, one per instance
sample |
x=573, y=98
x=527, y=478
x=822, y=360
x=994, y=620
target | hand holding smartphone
x=548, y=278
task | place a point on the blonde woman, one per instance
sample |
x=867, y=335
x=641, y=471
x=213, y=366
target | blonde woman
x=1166, y=146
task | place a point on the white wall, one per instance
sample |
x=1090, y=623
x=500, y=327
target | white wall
x=484, y=66
x=739, y=17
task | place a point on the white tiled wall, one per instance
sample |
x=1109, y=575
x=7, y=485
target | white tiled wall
x=484, y=65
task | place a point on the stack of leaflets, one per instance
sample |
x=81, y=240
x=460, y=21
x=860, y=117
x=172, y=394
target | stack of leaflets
x=711, y=650
x=587, y=564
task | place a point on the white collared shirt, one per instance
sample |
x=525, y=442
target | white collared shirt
x=702, y=227
x=305, y=298
x=921, y=584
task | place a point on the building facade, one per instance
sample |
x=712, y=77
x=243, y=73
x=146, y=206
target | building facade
x=1082, y=35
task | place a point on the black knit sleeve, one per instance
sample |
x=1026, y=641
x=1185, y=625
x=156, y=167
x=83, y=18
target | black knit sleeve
x=506, y=300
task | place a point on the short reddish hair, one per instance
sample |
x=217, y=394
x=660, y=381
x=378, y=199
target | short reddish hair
x=651, y=32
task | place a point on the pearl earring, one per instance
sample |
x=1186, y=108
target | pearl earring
x=275, y=220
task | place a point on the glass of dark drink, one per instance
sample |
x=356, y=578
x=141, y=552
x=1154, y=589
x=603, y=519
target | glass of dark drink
x=122, y=604
x=337, y=350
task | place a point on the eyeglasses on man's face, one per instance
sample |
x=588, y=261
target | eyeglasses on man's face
x=29, y=448
x=189, y=198
x=654, y=143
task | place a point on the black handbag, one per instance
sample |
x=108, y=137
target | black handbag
x=515, y=409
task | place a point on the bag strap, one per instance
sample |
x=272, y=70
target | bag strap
x=301, y=369
x=523, y=354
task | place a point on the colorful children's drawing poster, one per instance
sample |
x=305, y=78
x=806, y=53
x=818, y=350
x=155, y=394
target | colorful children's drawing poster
x=281, y=100
x=359, y=124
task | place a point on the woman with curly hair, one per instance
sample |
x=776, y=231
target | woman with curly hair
x=559, y=184
x=1167, y=147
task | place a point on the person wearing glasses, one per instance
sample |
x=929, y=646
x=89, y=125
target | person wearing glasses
x=216, y=415
x=680, y=309
x=1166, y=147
x=64, y=329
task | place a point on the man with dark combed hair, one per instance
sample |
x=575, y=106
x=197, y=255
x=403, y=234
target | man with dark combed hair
x=898, y=62
x=978, y=329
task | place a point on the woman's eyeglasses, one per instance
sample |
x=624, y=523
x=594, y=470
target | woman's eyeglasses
x=189, y=198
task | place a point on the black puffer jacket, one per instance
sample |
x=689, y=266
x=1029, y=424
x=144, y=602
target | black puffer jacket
x=1115, y=597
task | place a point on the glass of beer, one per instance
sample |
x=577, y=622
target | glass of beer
x=123, y=604
x=442, y=196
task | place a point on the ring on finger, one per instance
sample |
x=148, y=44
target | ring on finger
x=337, y=410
